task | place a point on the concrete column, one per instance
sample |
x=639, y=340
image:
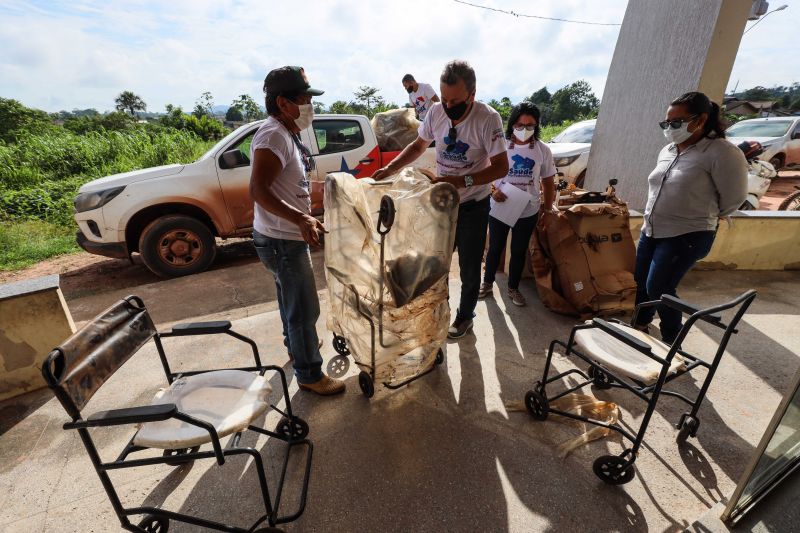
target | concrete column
x=665, y=48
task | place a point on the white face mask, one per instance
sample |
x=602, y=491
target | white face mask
x=679, y=135
x=523, y=134
x=306, y=116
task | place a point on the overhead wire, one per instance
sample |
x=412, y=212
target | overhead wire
x=556, y=19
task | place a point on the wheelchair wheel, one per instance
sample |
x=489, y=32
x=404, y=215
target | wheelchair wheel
x=536, y=403
x=439, y=357
x=365, y=382
x=601, y=380
x=688, y=428
x=293, y=429
x=177, y=453
x=154, y=524
x=340, y=345
x=612, y=469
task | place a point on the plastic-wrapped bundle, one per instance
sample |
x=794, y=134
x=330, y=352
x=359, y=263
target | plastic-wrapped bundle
x=413, y=289
x=395, y=129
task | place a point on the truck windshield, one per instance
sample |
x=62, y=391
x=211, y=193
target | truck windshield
x=771, y=128
x=577, y=133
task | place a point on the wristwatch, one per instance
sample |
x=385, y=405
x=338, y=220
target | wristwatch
x=468, y=181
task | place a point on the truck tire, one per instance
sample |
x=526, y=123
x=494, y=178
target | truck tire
x=777, y=162
x=581, y=179
x=177, y=245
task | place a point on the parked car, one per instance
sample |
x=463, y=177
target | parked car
x=779, y=136
x=571, y=150
x=171, y=215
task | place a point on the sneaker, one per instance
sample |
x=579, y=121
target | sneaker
x=326, y=386
x=291, y=357
x=459, y=328
x=486, y=290
x=516, y=297
x=642, y=327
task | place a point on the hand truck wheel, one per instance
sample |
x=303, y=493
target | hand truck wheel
x=613, y=469
x=365, y=382
x=600, y=379
x=177, y=452
x=268, y=530
x=688, y=427
x=536, y=403
x=386, y=214
x=340, y=345
x=439, y=357
x=154, y=524
x=294, y=429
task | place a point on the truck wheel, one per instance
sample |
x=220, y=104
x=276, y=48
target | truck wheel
x=791, y=202
x=581, y=179
x=777, y=162
x=177, y=245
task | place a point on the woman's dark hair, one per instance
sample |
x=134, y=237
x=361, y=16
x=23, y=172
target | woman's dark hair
x=523, y=108
x=271, y=101
x=697, y=103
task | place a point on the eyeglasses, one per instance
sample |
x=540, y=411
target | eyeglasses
x=309, y=163
x=452, y=137
x=675, y=124
x=529, y=127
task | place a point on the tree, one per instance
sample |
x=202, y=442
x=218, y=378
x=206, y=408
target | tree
x=574, y=101
x=234, y=114
x=204, y=105
x=248, y=107
x=340, y=107
x=319, y=108
x=174, y=117
x=542, y=96
x=757, y=93
x=367, y=95
x=794, y=106
x=15, y=119
x=127, y=101
x=503, y=107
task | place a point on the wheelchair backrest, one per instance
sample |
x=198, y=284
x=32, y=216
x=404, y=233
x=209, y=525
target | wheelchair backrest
x=76, y=369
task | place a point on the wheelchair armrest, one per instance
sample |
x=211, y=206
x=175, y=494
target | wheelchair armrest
x=686, y=307
x=200, y=328
x=130, y=415
x=620, y=335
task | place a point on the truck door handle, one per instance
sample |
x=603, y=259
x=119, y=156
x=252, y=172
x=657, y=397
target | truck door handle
x=366, y=161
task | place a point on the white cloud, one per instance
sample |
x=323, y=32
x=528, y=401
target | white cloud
x=61, y=55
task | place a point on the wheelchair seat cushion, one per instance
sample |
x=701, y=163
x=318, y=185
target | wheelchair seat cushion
x=618, y=356
x=227, y=399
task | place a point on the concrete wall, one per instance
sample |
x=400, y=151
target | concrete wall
x=34, y=319
x=665, y=48
x=756, y=240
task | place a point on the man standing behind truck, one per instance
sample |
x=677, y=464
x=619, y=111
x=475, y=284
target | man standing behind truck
x=470, y=154
x=283, y=227
x=420, y=95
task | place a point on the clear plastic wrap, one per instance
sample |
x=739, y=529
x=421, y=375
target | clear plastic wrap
x=395, y=129
x=413, y=289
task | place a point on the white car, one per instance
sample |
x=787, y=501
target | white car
x=172, y=215
x=779, y=136
x=571, y=150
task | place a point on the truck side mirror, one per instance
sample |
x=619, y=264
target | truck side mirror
x=233, y=159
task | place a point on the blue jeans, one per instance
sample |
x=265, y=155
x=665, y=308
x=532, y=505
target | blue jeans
x=473, y=218
x=290, y=264
x=660, y=266
x=520, y=243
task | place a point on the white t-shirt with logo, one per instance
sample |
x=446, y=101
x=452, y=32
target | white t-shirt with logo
x=479, y=137
x=422, y=99
x=526, y=168
x=291, y=186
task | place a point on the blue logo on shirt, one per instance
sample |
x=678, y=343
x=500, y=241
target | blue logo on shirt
x=454, y=151
x=523, y=166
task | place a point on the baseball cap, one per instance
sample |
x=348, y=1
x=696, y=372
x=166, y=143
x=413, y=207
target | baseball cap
x=288, y=80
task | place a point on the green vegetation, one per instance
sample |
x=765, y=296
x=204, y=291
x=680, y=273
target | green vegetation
x=42, y=165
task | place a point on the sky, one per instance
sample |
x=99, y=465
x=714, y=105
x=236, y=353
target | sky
x=81, y=54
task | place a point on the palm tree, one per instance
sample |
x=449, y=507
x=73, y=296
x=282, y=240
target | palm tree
x=128, y=101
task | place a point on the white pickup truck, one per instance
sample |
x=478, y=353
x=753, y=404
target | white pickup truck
x=172, y=215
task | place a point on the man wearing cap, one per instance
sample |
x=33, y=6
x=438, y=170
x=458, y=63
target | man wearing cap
x=283, y=227
x=470, y=154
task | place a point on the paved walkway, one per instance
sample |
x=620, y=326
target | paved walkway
x=443, y=454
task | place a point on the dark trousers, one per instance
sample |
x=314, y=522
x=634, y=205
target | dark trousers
x=660, y=266
x=520, y=241
x=473, y=217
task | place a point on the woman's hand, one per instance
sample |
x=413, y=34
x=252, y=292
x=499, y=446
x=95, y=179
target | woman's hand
x=498, y=195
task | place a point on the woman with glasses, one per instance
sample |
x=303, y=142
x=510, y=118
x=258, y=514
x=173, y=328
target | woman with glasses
x=530, y=163
x=698, y=179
